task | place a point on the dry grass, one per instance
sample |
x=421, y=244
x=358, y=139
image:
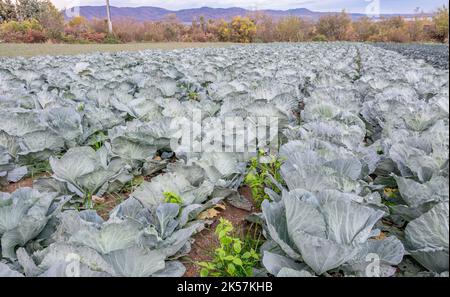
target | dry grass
x=31, y=50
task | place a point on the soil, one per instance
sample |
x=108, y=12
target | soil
x=206, y=241
x=11, y=187
x=110, y=202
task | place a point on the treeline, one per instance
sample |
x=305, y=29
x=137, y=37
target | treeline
x=39, y=21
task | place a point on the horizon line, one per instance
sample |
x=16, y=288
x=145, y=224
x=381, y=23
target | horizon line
x=257, y=9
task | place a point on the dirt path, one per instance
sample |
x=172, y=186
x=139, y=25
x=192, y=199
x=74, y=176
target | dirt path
x=43, y=49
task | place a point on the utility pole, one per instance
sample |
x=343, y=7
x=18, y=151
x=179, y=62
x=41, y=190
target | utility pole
x=108, y=15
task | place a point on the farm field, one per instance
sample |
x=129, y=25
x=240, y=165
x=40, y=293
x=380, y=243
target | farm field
x=37, y=49
x=433, y=54
x=325, y=159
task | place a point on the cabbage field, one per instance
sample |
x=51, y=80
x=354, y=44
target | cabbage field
x=103, y=172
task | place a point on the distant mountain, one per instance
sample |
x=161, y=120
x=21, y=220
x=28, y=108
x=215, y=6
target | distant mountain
x=149, y=13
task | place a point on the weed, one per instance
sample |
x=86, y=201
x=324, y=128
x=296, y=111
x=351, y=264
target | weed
x=234, y=257
x=193, y=96
x=260, y=176
x=132, y=184
x=38, y=168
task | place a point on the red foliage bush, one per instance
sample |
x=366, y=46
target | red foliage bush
x=95, y=37
x=30, y=36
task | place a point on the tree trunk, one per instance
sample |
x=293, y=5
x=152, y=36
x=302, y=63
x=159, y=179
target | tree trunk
x=108, y=15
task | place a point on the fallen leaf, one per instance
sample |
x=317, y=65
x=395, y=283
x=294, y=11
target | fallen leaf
x=98, y=200
x=208, y=214
x=212, y=212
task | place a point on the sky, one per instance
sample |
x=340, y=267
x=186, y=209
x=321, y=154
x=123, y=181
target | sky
x=386, y=6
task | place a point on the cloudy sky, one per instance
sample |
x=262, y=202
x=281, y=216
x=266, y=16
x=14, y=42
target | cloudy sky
x=387, y=6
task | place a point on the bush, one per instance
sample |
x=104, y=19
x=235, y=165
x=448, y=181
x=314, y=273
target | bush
x=320, y=38
x=93, y=37
x=28, y=31
x=16, y=26
x=335, y=26
x=30, y=36
x=110, y=39
x=440, y=22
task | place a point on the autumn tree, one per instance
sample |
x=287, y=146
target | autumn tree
x=293, y=29
x=416, y=27
x=243, y=29
x=440, y=22
x=364, y=28
x=29, y=9
x=172, y=27
x=394, y=29
x=51, y=19
x=335, y=26
x=223, y=30
x=265, y=28
x=23, y=9
x=203, y=24
x=7, y=11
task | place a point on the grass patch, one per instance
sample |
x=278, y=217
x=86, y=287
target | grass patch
x=43, y=49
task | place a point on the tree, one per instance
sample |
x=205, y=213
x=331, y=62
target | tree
x=293, y=29
x=242, y=30
x=394, y=29
x=29, y=9
x=108, y=16
x=203, y=24
x=364, y=28
x=21, y=10
x=440, y=21
x=223, y=30
x=416, y=27
x=7, y=11
x=265, y=28
x=51, y=19
x=335, y=26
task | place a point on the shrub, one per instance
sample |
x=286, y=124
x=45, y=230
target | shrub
x=28, y=31
x=293, y=29
x=320, y=37
x=243, y=30
x=111, y=39
x=335, y=26
x=440, y=21
x=93, y=37
x=51, y=19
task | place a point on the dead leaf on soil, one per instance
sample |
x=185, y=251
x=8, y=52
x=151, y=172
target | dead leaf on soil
x=98, y=200
x=212, y=212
